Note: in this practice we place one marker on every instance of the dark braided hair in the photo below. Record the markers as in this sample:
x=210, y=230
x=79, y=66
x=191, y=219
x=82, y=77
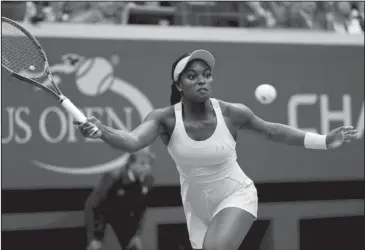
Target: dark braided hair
x=175, y=96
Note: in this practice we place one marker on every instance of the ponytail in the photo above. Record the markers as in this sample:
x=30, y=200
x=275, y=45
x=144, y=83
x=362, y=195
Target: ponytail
x=175, y=96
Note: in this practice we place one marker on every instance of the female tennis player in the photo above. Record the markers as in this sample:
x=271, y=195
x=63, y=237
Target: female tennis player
x=220, y=201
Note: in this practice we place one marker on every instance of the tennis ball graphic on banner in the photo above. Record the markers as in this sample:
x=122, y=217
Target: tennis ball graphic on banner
x=94, y=76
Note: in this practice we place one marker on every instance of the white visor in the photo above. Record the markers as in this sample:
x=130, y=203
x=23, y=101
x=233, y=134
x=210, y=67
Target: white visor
x=204, y=55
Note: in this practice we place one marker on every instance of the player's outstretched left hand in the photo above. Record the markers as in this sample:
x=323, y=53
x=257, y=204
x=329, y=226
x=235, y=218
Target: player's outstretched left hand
x=338, y=136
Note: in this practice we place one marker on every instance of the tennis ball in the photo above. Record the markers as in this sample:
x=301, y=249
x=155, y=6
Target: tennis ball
x=94, y=76
x=265, y=93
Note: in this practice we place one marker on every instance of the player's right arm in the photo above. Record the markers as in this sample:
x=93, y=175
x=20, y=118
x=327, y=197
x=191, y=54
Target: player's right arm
x=142, y=136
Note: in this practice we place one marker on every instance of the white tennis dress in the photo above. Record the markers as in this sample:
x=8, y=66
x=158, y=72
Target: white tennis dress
x=210, y=176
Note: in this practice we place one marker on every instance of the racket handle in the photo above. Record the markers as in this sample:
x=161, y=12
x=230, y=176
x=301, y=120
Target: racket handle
x=72, y=109
x=77, y=114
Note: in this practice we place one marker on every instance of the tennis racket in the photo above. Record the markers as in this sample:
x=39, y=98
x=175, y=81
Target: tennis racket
x=23, y=57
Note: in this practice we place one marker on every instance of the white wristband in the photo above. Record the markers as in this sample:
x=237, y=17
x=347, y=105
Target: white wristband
x=315, y=141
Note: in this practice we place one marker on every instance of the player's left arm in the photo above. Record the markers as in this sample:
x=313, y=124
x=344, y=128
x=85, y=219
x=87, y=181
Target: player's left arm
x=246, y=119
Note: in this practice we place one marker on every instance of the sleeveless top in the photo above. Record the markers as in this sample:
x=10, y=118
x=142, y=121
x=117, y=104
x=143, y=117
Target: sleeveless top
x=202, y=161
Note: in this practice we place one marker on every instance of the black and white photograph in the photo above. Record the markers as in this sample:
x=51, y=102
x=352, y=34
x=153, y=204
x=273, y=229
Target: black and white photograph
x=182, y=125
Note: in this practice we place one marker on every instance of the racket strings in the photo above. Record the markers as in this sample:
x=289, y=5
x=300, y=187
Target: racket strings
x=20, y=53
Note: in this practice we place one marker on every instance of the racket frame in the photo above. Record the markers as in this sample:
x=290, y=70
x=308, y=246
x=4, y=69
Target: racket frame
x=57, y=94
x=63, y=100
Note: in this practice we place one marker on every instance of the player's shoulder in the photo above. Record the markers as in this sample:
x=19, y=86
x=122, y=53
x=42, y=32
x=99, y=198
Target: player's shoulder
x=165, y=117
x=234, y=109
x=237, y=113
x=161, y=113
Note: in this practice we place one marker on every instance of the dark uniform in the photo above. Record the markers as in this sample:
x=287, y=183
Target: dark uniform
x=119, y=200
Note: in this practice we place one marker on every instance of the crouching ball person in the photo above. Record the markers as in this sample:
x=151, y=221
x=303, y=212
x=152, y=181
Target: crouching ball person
x=120, y=199
x=200, y=132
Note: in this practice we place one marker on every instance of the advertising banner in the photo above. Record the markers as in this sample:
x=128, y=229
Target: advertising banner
x=121, y=81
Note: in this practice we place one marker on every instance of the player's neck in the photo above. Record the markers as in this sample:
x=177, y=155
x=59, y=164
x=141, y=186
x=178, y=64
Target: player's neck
x=197, y=110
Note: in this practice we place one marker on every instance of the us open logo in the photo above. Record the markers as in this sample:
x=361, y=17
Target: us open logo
x=95, y=77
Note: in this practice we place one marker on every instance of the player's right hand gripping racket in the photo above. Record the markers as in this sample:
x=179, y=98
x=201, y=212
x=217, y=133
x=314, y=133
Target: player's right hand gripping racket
x=24, y=58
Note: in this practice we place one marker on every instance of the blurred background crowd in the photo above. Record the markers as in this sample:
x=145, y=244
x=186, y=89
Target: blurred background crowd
x=344, y=17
